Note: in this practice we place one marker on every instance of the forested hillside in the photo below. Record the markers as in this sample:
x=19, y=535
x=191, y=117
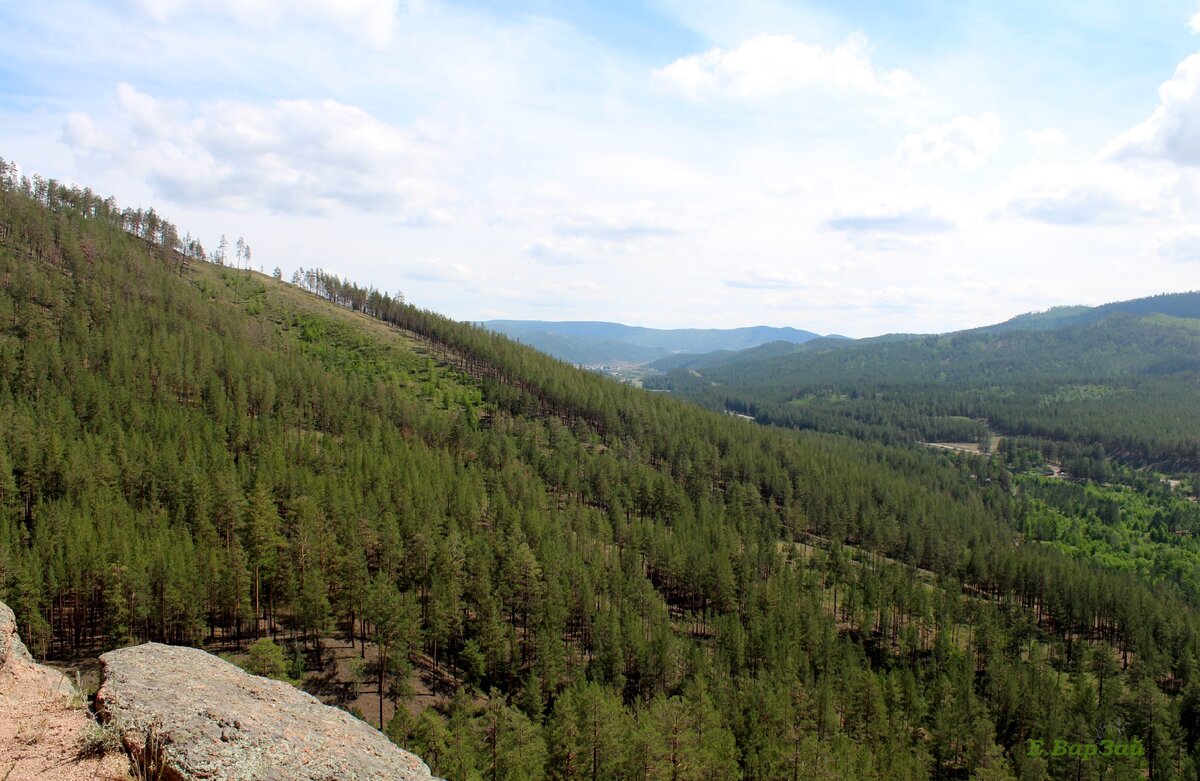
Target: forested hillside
x=618, y=585
x=1122, y=381
x=1171, y=305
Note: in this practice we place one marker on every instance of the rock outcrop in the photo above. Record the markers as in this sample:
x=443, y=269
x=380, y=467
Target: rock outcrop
x=10, y=641
x=211, y=720
x=15, y=657
x=42, y=722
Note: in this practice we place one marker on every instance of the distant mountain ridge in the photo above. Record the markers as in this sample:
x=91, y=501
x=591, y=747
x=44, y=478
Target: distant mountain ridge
x=595, y=343
x=1120, y=376
x=1174, y=305
x=600, y=343
x=1186, y=305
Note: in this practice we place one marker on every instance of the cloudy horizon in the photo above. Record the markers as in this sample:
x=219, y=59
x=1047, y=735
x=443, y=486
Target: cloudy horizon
x=842, y=169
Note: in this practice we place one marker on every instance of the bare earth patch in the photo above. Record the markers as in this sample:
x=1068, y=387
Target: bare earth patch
x=41, y=731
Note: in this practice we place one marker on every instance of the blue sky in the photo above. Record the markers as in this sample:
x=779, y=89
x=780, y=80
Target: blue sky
x=857, y=167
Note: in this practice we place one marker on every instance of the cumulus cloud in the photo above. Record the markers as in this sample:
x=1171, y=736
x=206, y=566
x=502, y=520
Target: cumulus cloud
x=569, y=251
x=645, y=172
x=910, y=222
x=890, y=229
x=787, y=188
x=767, y=279
x=1083, y=204
x=80, y=131
x=306, y=156
x=1085, y=195
x=963, y=143
x=842, y=297
x=569, y=286
x=438, y=270
x=616, y=228
x=1045, y=139
x=1172, y=132
x=370, y=20
x=770, y=65
x=586, y=235
x=1194, y=23
x=1109, y=190
x=1182, y=246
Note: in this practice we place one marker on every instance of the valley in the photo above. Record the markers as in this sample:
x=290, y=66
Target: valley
x=549, y=574
x=454, y=390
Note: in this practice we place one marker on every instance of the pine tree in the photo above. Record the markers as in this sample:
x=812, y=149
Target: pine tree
x=395, y=628
x=263, y=542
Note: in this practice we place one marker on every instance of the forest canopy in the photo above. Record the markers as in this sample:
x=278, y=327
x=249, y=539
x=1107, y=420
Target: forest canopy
x=616, y=584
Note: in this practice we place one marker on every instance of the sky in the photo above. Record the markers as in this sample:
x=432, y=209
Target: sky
x=858, y=167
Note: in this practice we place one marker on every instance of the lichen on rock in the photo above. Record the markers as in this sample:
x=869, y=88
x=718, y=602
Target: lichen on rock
x=214, y=721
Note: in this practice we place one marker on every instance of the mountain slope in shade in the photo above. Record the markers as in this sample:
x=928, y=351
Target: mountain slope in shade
x=596, y=343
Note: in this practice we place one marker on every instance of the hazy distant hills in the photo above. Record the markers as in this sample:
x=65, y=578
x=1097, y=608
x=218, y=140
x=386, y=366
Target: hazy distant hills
x=599, y=343
x=762, y=352
x=1122, y=375
x=595, y=343
x=1178, y=305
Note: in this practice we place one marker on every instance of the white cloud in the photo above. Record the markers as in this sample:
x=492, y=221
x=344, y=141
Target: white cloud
x=1045, y=139
x=437, y=270
x=80, y=131
x=769, y=65
x=902, y=222
x=889, y=228
x=570, y=250
x=1172, y=132
x=1093, y=194
x=645, y=172
x=569, y=286
x=1082, y=204
x=1181, y=246
x=634, y=224
x=795, y=185
x=594, y=233
x=538, y=132
x=963, y=143
x=369, y=20
x=840, y=296
x=306, y=156
x=1194, y=23
x=1110, y=190
x=768, y=279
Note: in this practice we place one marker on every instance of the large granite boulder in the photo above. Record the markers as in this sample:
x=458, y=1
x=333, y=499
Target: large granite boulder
x=214, y=721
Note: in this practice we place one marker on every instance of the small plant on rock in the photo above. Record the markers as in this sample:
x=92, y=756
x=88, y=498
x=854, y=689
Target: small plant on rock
x=149, y=763
x=99, y=740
